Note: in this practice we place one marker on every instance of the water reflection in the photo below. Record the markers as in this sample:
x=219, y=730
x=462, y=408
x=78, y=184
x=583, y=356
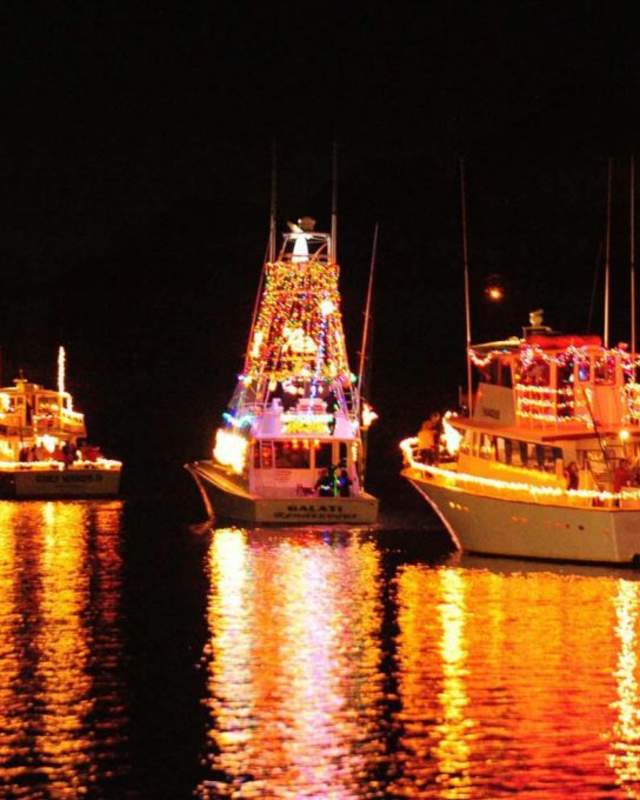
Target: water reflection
x=294, y=666
x=625, y=745
x=59, y=648
x=513, y=682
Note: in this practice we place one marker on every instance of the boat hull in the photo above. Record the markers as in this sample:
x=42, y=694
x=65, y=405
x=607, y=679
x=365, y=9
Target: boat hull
x=494, y=526
x=223, y=497
x=72, y=483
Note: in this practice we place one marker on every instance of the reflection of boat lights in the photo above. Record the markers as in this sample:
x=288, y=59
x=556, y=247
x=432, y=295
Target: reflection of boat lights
x=453, y=749
x=230, y=450
x=625, y=758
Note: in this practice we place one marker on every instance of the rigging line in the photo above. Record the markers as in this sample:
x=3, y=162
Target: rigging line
x=367, y=314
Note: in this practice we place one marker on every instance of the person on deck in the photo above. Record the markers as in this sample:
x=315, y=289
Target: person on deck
x=429, y=439
x=344, y=484
x=324, y=484
x=622, y=475
x=572, y=475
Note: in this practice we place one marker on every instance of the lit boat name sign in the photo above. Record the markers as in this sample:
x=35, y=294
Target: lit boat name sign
x=306, y=423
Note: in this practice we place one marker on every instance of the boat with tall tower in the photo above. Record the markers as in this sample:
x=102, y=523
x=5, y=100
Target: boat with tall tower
x=291, y=447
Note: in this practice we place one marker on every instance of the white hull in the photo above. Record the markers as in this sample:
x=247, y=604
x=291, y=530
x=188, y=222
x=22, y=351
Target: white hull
x=225, y=498
x=76, y=483
x=497, y=526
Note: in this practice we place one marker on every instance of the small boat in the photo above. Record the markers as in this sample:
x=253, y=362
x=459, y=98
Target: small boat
x=44, y=450
x=547, y=464
x=291, y=448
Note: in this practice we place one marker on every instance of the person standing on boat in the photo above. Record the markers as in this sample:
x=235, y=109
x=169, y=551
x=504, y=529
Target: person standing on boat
x=572, y=475
x=325, y=483
x=344, y=483
x=429, y=438
x=622, y=475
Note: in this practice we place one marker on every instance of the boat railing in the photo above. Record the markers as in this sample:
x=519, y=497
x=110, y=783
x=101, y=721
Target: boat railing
x=447, y=475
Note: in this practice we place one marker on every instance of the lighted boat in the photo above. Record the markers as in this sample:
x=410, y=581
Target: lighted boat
x=547, y=464
x=291, y=448
x=44, y=450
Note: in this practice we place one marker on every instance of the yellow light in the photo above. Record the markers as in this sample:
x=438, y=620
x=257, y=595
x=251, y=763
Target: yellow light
x=624, y=435
x=495, y=293
x=230, y=450
x=61, y=369
x=368, y=416
x=452, y=438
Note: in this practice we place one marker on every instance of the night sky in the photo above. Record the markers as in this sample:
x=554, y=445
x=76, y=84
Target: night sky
x=135, y=152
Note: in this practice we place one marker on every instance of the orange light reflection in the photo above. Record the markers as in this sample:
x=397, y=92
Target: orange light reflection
x=294, y=666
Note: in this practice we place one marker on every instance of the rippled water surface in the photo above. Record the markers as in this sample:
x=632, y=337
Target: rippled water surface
x=142, y=658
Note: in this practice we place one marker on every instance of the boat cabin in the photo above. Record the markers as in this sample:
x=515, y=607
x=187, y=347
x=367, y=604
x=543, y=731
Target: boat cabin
x=31, y=416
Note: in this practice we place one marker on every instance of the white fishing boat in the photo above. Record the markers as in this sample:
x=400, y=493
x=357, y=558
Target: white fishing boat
x=548, y=463
x=44, y=450
x=291, y=448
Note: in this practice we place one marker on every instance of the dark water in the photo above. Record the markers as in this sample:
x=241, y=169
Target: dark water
x=142, y=656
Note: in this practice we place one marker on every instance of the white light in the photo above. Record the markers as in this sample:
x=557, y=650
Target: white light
x=61, y=369
x=450, y=435
x=230, y=450
x=368, y=415
x=327, y=307
x=300, y=250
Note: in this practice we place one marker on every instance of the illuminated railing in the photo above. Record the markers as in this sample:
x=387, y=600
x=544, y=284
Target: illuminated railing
x=520, y=490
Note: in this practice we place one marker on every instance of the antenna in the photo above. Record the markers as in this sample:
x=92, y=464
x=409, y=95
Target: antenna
x=632, y=251
x=467, y=304
x=272, y=214
x=607, y=258
x=334, y=203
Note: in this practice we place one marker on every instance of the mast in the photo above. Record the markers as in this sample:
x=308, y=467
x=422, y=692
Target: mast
x=607, y=258
x=632, y=251
x=334, y=203
x=367, y=311
x=272, y=213
x=467, y=304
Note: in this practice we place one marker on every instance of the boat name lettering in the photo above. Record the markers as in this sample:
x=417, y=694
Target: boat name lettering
x=322, y=509
x=96, y=477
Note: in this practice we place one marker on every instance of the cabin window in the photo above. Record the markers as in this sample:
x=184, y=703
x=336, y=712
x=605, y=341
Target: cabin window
x=291, y=455
x=605, y=370
x=487, y=446
x=323, y=456
x=256, y=456
x=504, y=450
x=342, y=457
x=266, y=455
x=535, y=374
